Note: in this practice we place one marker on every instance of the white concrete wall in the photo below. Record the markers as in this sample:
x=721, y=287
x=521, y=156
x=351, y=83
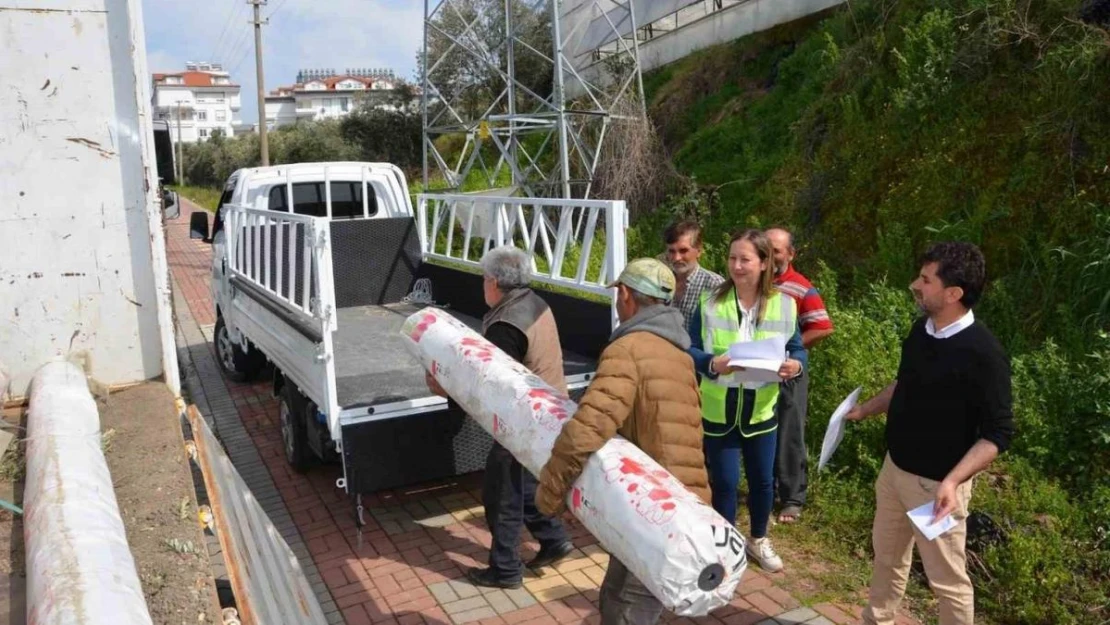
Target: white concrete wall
x=82, y=264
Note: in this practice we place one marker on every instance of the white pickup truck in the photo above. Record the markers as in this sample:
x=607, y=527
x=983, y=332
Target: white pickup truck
x=319, y=286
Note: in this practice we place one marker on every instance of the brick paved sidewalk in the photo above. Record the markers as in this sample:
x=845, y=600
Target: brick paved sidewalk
x=416, y=542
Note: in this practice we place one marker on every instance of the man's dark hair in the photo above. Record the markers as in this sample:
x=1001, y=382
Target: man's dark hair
x=679, y=229
x=959, y=264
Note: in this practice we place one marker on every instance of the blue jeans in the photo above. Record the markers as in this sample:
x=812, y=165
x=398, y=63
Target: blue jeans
x=723, y=455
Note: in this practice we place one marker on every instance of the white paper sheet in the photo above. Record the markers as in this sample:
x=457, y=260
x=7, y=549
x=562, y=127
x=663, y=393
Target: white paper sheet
x=835, y=432
x=760, y=359
x=923, y=514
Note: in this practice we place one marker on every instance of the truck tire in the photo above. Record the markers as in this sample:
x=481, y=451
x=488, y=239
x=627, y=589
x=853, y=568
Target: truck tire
x=294, y=431
x=238, y=365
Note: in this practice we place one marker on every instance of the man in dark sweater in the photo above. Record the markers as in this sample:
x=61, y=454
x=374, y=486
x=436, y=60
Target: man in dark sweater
x=520, y=323
x=948, y=416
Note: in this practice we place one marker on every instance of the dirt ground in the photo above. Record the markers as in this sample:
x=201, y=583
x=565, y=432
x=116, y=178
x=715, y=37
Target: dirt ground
x=146, y=456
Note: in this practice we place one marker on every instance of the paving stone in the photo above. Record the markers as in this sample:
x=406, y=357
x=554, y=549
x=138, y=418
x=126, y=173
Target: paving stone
x=820, y=620
x=464, y=589
x=500, y=601
x=797, y=615
x=443, y=592
x=554, y=592
x=473, y=615
x=521, y=597
x=463, y=605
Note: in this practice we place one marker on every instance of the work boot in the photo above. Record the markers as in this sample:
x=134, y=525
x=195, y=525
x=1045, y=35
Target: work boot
x=489, y=579
x=550, y=555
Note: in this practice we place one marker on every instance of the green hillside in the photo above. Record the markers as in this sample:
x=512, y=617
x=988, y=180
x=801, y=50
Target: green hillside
x=873, y=130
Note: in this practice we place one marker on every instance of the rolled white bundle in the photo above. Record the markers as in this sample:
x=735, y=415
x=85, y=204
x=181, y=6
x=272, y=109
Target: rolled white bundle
x=686, y=554
x=79, y=564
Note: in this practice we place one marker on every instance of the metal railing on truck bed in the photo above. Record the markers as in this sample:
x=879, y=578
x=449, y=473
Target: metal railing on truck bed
x=286, y=259
x=579, y=244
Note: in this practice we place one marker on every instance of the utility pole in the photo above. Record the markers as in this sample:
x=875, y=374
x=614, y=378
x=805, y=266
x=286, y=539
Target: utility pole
x=180, y=165
x=261, y=85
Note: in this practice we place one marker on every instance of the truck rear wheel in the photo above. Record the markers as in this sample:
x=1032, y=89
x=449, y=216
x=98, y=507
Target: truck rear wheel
x=294, y=431
x=238, y=365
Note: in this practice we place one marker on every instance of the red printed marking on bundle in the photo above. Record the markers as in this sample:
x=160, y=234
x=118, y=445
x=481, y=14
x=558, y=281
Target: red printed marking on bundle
x=477, y=348
x=651, y=495
x=545, y=399
x=425, y=322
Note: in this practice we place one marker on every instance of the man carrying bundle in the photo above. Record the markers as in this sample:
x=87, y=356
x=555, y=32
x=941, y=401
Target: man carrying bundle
x=645, y=362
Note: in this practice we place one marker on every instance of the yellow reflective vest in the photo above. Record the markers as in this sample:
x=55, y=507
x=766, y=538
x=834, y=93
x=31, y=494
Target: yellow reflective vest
x=720, y=327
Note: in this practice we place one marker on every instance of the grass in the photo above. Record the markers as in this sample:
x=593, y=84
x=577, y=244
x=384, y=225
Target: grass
x=13, y=466
x=205, y=197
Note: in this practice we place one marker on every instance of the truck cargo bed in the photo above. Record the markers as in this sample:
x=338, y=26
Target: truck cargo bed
x=372, y=365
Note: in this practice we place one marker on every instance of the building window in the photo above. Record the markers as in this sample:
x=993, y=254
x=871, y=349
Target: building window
x=203, y=133
x=345, y=104
x=221, y=116
x=202, y=116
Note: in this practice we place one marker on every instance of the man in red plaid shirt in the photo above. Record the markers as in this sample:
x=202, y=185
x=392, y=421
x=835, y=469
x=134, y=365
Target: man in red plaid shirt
x=790, y=461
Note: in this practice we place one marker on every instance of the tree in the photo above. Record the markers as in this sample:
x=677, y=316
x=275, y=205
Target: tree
x=391, y=133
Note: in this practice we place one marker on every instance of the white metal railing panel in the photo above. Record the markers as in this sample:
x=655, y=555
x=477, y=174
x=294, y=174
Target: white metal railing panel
x=287, y=256
x=578, y=244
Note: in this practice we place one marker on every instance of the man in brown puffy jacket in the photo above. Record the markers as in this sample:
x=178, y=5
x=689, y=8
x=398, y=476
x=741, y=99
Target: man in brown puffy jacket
x=646, y=391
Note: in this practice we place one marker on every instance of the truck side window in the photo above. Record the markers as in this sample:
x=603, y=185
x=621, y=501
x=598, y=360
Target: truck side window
x=310, y=199
x=277, y=200
x=218, y=224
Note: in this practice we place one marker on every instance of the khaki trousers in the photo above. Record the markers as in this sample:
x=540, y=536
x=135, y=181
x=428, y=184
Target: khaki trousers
x=893, y=536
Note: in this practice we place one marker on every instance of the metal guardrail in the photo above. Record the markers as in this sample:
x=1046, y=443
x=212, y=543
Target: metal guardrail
x=269, y=585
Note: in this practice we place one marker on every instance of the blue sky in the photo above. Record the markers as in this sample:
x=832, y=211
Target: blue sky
x=301, y=34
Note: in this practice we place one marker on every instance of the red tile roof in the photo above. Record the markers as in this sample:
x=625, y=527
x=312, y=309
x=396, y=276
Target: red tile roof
x=192, y=79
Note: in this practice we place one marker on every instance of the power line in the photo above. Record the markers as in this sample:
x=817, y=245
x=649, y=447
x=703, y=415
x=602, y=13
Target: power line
x=237, y=38
x=276, y=7
x=239, y=49
x=223, y=31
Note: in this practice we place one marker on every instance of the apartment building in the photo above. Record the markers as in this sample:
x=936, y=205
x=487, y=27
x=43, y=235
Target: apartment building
x=327, y=94
x=204, y=96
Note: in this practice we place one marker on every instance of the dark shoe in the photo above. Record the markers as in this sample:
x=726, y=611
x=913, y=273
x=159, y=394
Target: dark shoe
x=550, y=555
x=489, y=579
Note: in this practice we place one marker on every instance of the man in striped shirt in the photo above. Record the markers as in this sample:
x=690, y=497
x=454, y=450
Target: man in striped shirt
x=683, y=241
x=790, y=461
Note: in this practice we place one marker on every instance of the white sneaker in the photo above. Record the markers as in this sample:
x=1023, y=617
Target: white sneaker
x=761, y=552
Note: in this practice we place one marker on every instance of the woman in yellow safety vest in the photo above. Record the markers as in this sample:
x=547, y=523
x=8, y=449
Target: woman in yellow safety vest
x=738, y=414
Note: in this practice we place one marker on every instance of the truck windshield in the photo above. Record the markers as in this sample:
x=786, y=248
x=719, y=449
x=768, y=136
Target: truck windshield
x=310, y=199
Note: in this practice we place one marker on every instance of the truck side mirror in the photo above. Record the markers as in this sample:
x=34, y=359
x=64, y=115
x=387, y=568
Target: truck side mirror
x=198, y=225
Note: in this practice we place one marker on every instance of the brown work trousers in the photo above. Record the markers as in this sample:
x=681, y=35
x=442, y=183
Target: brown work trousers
x=894, y=535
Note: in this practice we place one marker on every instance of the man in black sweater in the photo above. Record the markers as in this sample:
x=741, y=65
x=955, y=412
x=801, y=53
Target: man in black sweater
x=948, y=416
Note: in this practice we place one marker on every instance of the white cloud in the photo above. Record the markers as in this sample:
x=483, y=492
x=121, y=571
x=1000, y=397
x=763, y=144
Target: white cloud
x=300, y=34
